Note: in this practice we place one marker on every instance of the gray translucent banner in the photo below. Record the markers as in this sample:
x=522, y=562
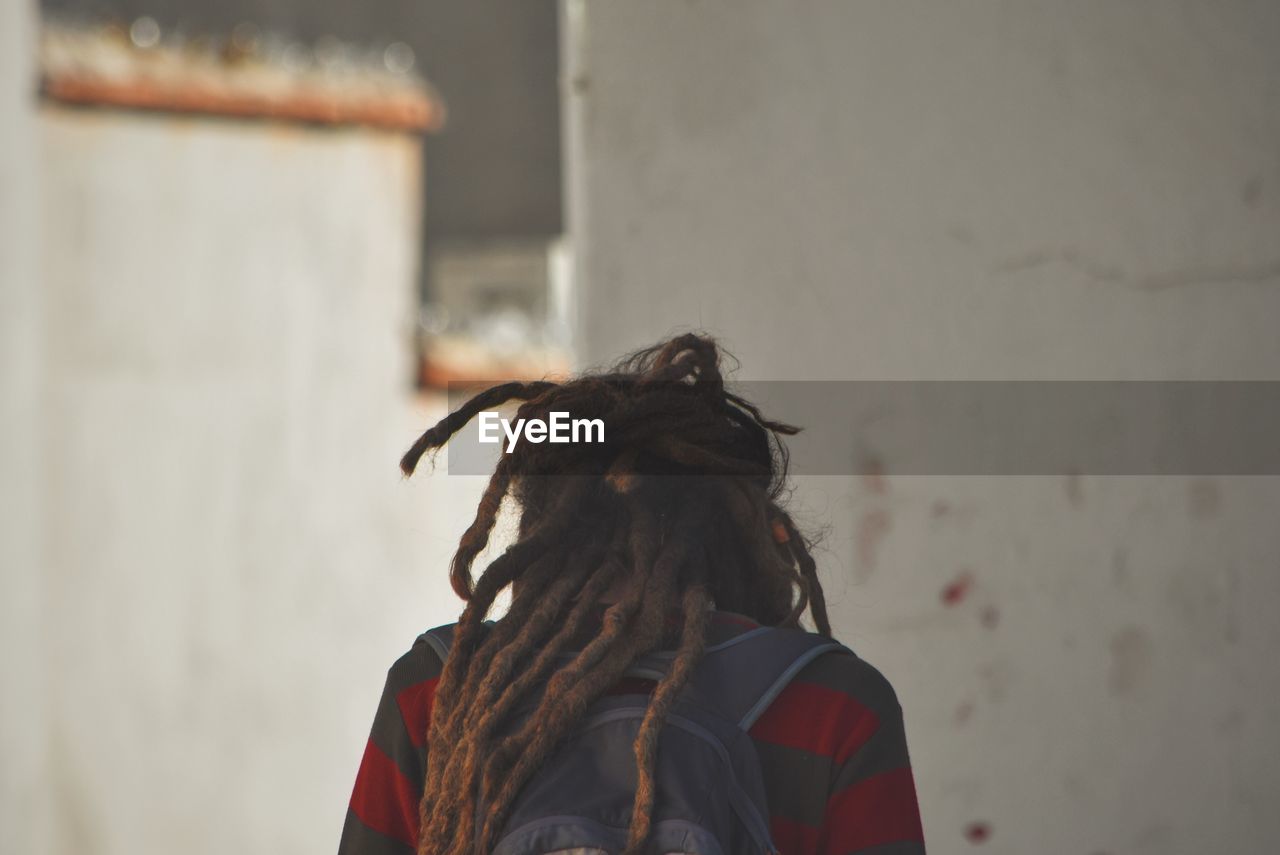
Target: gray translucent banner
x=998, y=427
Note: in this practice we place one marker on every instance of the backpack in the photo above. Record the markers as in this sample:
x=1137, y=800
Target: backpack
x=710, y=790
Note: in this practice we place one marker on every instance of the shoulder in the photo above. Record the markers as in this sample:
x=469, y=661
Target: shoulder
x=849, y=678
x=418, y=667
x=408, y=695
x=834, y=707
x=851, y=724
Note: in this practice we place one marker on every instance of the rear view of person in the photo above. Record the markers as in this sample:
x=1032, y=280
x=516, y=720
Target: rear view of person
x=650, y=688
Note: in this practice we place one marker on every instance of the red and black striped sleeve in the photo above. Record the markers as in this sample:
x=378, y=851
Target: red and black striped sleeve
x=382, y=817
x=834, y=755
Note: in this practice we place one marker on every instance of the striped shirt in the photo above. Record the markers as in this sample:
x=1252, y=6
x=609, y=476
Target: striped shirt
x=831, y=746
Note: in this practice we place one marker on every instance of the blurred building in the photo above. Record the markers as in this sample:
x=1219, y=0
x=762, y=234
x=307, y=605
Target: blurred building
x=492, y=227
x=212, y=255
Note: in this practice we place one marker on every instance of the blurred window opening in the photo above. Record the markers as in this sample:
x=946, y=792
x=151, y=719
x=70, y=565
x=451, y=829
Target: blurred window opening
x=498, y=309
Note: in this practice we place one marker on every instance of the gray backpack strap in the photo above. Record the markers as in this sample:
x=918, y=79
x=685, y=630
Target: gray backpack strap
x=745, y=674
x=441, y=639
x=651, y=667
x=740, y=677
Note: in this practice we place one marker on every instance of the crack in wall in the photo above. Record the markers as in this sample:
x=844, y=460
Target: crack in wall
x=1182, y=277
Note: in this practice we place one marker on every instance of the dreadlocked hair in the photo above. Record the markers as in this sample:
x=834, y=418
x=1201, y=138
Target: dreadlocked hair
x=678, y=510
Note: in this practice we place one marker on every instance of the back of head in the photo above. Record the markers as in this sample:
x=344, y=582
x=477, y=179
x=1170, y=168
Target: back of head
x=675, y=511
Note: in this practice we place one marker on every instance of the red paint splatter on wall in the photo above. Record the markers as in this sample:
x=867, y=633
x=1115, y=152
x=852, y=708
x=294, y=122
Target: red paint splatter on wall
x=954, y=593
x=978, y=832
x=873, y=478
x=873, y=526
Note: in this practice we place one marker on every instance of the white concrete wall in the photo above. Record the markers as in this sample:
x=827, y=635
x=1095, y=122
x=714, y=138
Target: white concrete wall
x=23, y=766
x=983, y=190
x=233, y=559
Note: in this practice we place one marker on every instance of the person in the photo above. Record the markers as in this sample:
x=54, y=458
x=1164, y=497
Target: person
x=670, y=534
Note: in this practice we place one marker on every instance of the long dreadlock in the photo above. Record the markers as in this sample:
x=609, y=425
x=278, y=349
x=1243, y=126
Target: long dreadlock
x=677, y=510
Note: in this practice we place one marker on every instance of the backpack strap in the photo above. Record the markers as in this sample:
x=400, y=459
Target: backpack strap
x=745, y=674
x=441, y=639
x=740, y=676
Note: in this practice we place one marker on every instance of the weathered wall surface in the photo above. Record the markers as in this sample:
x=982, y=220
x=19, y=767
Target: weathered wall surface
x=233, y=557
x=23, y=778
x=983, y=190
